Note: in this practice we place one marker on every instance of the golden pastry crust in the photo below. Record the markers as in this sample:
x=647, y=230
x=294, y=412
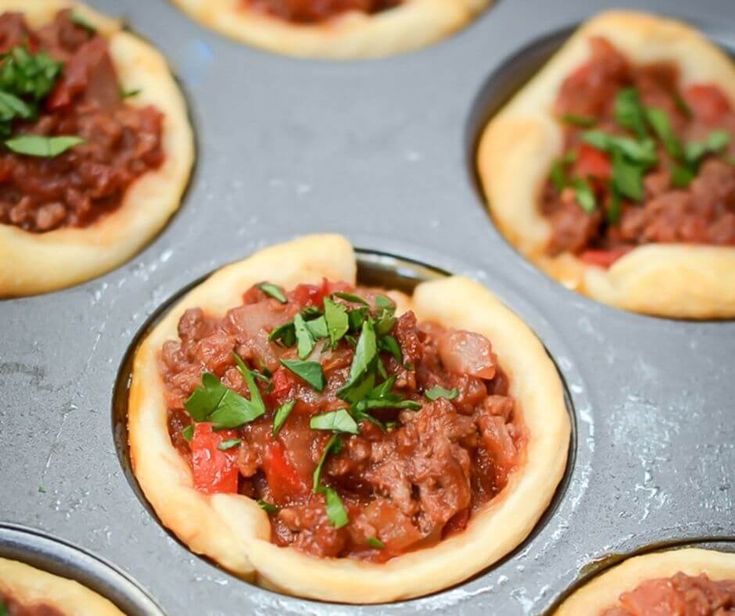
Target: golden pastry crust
x=31, y=586
x=415, y=24
x=603, y=592
x=519, y=145
x=234, y=531
x=39, y=262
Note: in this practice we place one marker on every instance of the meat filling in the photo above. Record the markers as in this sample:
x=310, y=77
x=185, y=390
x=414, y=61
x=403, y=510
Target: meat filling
x=12, y=607
x=314, y=11
x=680, y=595
x=71, y=66
x=422, y=431
x=645, y=160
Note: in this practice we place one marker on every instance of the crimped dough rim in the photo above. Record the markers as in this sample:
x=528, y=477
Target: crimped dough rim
x=234, y=531
x=33, y=263
x=604, y=590
x=31, y=586
x=523, y=139
x=413, y=25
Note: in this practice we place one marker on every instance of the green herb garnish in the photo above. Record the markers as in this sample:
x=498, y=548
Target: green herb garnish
x=266, y=506
x=629, y=112
x=304, y=338
x=273, y=290
x=351, y=297
x=334, y=445
x=627, y=177
x=336, y=319
x=440, y=392
x=585, y=195
x=578, y=120
x=559, y=170
x=281, y=415
x=336, y=511
x=129, y=93
x=365, y=354
x=375, y=543
x=337, y=421
x=309, y=371
x=284, y=334
x=318, y=327
x=42, y=146
x=659, y=121
x=188, y=433
x=390, y=345
x=229, y=444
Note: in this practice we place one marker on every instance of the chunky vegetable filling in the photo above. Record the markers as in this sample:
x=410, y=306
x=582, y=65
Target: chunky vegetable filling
x=645, y=160
x=12, y=607
x=71, y=146
x=363, y=434
x=677, y=596
x=313, y=11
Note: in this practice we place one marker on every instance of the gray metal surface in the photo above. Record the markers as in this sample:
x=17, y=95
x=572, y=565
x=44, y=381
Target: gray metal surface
x=378, y=151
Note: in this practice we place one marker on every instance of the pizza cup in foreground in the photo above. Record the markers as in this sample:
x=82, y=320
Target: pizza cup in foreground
x=98, y=153
x=613, y=169
x=25, y=589
x=339, y=29
x=682, y=581
x=343, y=443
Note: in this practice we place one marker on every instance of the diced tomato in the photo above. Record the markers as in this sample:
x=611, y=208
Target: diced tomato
x=307, y=295
x=707, y=102
x=283, y=381
x=215, y=471
x=591, y=162
x=283, y=480
x=332, y=287
x=463, y=352
x=603, y=258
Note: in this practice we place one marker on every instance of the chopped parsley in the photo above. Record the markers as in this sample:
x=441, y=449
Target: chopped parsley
x=281, y=415
x=337, y=421
x=229, y=444
x=375, y=543
x=267, y=507
x=42, y=146
x=309, y=371
x=439, y=392
x=188, y=433
x=274, y=291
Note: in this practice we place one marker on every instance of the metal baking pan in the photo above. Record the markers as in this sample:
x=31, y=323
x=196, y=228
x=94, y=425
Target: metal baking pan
x=381, y=151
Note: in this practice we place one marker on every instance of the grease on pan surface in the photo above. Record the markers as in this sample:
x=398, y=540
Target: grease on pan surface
x=410, y=25
x=604, y=591
x=31, y=587
x=235, y=532
x=39, y=262
x=518, y=146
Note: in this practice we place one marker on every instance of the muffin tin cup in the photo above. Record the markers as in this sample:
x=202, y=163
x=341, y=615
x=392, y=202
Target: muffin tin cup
x=381, y=151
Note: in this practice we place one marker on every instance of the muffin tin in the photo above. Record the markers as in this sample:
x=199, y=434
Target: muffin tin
x=382, y=151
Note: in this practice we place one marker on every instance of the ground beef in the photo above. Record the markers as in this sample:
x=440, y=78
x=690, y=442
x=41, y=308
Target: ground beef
x=681, y=595
x=121, y=142
x=701, y=213
x=410, y=484
x=313, y=11
x=13, y=607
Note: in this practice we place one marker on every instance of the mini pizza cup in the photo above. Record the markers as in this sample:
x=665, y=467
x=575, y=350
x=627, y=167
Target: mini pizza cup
x=412, y=25
x=604, y=590
x=32, y=587
x=234, y=531
x=33, y=263
x=519, y=145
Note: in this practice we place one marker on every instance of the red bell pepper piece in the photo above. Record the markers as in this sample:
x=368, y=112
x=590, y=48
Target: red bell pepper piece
x=283, y=480
x=215, y=471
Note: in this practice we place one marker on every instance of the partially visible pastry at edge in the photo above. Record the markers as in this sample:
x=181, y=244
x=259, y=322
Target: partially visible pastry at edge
x=613, y=169
x=670, y=583
x=336, y=29
x=95, y=145
x=27, y=591
x=345, y=443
